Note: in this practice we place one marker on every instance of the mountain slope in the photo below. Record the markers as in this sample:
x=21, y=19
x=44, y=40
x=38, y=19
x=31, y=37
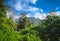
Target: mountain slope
x=33, y=20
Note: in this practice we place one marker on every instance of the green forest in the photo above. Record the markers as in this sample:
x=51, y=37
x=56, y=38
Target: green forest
x=47, y=30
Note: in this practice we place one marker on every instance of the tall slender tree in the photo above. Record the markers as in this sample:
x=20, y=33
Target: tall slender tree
x=2, y=9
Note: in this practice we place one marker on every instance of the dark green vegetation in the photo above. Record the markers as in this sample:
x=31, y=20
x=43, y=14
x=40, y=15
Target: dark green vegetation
x=47, y=30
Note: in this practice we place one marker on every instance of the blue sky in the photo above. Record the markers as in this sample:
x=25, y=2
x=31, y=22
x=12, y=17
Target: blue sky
x=34, y=8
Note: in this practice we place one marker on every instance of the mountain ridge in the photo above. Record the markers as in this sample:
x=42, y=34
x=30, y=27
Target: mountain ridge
x=33, y=20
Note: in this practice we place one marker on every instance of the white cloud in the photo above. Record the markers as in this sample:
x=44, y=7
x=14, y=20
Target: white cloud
x=34, y=1
x=18, y=6
x=39, y=15
x=32, y=9
x=22, y=4
x=58, y=13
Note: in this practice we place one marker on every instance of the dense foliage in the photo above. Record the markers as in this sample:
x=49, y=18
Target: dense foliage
x=50, y=28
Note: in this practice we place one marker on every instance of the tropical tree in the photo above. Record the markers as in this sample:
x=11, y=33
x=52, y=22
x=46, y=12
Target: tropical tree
x=23, y=21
